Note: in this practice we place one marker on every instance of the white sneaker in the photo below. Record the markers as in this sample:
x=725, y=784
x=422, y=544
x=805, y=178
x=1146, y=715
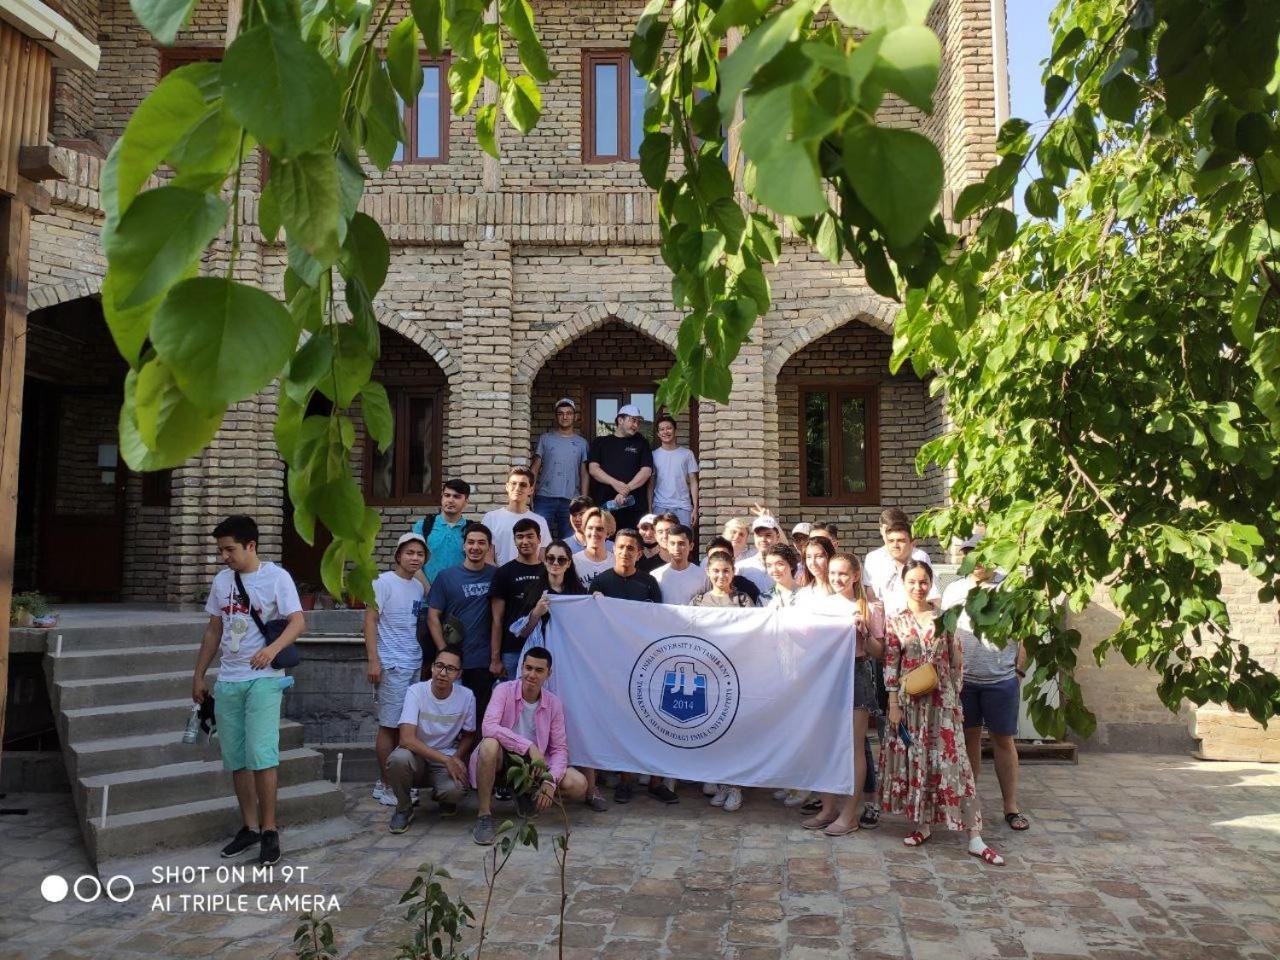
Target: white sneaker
x=384, y=796
x=722, y=793
x=780, y=794
x=710, y=789
x=732, y=800
x=795, y=798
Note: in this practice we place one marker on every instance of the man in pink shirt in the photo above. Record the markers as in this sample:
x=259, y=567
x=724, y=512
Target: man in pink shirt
x=523, y=721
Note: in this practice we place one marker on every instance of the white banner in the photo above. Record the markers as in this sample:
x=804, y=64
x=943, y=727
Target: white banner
x=753, y=698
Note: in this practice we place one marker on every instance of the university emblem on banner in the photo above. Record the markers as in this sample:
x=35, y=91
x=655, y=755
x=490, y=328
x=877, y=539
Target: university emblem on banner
x=685, y=691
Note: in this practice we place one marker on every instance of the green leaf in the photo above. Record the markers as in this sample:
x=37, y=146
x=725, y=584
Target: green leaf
x=162, y=18
x=1072, y=41
x=224, y=341
x=897, y=174
x=269, y=221
x=646, y=42
x=332, y=566
x=1244, y=314
x=340, y=507
x=738, y=13
x=167, y=422
x=281, y=89
x=162, y=233
x=1042, y=199
x=169, y=112
x=429, y=16
x=910, y=58
x=384, y=120
x=827, y=242
x=375, y=408
x=869, y=15
x=312, y=362
x=788, y=181
x=655, y=154
x=403, y=64
x=761, y=45
x=517, y=17
x=522, y=103
x=306, y=193
x=129, y=328
x=464, y=84
x=486, y=128
x=1055, y=88
x=368, y=253
x=352, y=366
x=1119, y=98
x=181, y=436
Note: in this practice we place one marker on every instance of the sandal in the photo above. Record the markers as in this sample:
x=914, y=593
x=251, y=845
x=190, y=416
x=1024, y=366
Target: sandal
x=817, y=823
x=1017, y=821
x=916, y=839
x=839, y=831
x=989, y=856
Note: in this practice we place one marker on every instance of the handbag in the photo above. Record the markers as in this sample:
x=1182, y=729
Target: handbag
x=921, y=680
x=271, y=630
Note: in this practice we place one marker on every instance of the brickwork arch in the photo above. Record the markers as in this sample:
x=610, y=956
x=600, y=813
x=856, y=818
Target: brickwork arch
x=420, y=334
x=593, y=317
x=867, y=308
x=40, y=297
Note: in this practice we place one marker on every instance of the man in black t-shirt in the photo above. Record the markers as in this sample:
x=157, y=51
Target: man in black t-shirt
x=620, y=466
x=515, y=590
x=625, y=582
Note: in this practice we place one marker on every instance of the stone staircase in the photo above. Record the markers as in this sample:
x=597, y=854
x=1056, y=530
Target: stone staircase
x=121, y=696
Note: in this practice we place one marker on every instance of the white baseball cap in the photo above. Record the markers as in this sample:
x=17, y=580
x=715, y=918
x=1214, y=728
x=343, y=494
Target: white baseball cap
x=764, y=523
x=649, y=518
x=410, y=537
x=969, y=542
x=801, y=529
x=566, y=402
x=630, y=410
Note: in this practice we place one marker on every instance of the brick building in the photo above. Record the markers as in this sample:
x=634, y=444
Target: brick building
x=512, y=283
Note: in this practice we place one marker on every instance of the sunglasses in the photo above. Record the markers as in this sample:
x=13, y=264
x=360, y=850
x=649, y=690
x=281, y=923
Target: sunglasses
x=557, y=560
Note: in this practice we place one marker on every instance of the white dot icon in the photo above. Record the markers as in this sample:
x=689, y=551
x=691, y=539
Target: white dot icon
x=53, y=888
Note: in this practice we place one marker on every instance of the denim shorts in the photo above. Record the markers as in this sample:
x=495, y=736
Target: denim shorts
x=396, y=682
x=248, y=714
x=991, y=705
x=864, y=687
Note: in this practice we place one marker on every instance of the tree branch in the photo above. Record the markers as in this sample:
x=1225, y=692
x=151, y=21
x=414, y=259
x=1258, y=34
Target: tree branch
x=1079, y=471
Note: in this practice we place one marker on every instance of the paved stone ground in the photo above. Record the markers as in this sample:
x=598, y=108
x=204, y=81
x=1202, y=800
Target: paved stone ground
x=1129, y=857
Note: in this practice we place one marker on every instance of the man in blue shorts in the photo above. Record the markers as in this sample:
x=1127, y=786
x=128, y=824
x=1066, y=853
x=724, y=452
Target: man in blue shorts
x=991, y=690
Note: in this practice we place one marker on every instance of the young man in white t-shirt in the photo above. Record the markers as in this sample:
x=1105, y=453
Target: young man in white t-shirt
x=673, y=488
x=680, y=580
x=437, y=732
x=594, y=559
x=501, y=523
x=878, y=567
x=887, y=581
x=766, y=532
x=392, y=651
x=248, y=692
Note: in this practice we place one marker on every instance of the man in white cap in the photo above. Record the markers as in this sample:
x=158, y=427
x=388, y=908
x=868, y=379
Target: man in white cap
x=800, y=536
x=560, y=469
x=393, y=655
x=620, y=465
x=766, y=532
x=651, y=557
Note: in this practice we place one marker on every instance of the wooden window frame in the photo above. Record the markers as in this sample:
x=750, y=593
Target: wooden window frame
x=157, y=489
x=591, y=58
x=838, y=389
x=173, y=57
x=411, y=118
x=400, y=395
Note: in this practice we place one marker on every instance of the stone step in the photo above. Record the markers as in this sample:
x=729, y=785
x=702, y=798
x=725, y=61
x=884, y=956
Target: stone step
x=80, y=639
x=154, y=749
x=120, y=661
x=210, y=821
x=185, y=782
x=139, y=688
x=125, y=719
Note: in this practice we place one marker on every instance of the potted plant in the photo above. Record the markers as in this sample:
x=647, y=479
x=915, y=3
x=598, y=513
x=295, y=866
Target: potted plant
x=307, y=595
x=31, y=608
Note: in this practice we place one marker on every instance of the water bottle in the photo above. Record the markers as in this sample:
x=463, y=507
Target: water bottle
x=619, y=503
x=193, y=725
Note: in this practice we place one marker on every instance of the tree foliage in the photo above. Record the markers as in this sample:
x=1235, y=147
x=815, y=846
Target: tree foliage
x=1111, y=365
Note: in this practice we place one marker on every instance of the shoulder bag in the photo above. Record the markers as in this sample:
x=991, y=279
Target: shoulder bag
x=271, y=630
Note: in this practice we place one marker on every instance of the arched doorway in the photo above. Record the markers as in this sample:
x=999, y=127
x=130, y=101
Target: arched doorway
x=601, y=371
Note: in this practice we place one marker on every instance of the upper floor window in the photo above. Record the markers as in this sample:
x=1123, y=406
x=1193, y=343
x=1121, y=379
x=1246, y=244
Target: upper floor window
x=839, y=444
x=427, y=121
x=612, y=107
x=408, y=472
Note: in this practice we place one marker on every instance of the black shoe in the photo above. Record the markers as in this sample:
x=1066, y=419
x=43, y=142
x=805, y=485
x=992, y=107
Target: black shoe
x=269, y=852
x=524, y=805
x=502, y=793
x=448, y=809
x=811, y=806
x=243, y=840
x=662, y=793
x=622, y=792
x=870, y=818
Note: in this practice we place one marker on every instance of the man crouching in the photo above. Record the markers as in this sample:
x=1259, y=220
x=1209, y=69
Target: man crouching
x=524, y=721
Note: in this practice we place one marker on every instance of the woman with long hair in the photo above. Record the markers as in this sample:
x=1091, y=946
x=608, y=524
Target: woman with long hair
x=817, y=554
x=850, y=598
x=924, y=769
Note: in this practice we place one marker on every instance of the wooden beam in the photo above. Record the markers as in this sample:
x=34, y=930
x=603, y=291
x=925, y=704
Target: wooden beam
x=35, y=197
x=15, y=227
x=45, y=163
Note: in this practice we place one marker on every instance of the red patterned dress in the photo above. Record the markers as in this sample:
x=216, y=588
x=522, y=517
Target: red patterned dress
x=929, y=782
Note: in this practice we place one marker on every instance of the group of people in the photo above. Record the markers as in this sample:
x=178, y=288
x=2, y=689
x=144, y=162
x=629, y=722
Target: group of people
x=475, y=595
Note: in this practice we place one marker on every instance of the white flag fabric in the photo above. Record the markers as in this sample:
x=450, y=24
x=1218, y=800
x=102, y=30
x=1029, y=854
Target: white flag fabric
x=749, y=697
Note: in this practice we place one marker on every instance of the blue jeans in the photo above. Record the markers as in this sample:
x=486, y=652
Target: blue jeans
x=683, y=513
x=554, y=510
x=511, y=662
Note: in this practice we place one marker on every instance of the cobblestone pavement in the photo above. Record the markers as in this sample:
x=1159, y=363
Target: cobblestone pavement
x=1128, y=857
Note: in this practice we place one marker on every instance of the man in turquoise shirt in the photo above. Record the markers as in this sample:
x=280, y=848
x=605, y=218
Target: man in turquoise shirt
x=443, y=530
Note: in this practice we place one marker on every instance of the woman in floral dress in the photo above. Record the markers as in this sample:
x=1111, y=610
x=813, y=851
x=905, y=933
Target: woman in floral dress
x=929, y=780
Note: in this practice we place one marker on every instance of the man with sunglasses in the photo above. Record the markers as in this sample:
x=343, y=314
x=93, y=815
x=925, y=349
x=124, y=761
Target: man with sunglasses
x=437, y=732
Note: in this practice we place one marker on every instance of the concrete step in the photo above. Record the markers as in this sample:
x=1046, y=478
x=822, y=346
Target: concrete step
x=111, y=754
x=186, y=782
x=124, y=719
x=121, y=661
x=209, y=821
x=118, y=637
x=139, y=688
